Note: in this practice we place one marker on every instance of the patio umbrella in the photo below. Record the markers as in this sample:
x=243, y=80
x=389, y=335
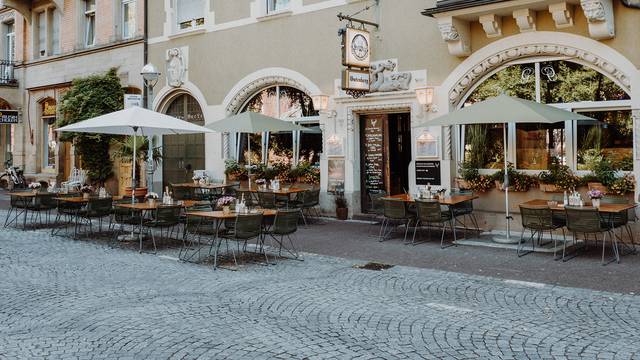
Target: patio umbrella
x=506, y=109
x=253, y=122
x=134, y=121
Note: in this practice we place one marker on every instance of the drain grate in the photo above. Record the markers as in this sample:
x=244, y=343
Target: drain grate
x=374, y=266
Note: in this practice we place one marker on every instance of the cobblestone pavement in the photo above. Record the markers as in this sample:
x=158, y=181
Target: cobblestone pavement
x=61, y=298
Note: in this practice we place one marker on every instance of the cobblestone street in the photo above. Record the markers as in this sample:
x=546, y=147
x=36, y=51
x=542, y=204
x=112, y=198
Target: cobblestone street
x=62, y=298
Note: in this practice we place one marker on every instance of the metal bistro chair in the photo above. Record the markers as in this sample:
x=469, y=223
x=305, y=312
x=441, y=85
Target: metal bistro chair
x=245, y=227
x=182, y=193
x=464, y=210
x=621, y=219
x=284, y=225
x=249, y=199
x=18, y=205
x=538, y=219
x=307, y=203
x=43, y=202
x=587, y=220
x=430, y=212
x=395, y=213
x=164, y=217
x=196, y=227
x=269, y=200
x=122, y=217
x=67, y=213
x=96, y=208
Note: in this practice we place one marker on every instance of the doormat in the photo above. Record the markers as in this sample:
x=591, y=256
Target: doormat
x=373, y=266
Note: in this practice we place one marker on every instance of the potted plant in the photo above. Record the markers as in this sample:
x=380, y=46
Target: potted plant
x=86, y=190
x=151, y=198
x=623, y=185
x=196, y=179
x=124, y=152
x=518, y=181
x=342, y=209
x=470, y=178
x=558, y=177
x=35, y=186
x=595, y=195
x=603, y=174
x=262, y=184
x=225, y=203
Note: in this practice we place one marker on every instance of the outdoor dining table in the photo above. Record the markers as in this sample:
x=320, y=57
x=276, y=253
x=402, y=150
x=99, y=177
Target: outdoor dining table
x=283, y=191
x=447, y=200
x=210, y=186
x=219, y=217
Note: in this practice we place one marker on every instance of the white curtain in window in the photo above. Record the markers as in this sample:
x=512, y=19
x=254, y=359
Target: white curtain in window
x=55, y=30
x=188, y=10
x=128, y=18
x=42, y=33
x=10, y=49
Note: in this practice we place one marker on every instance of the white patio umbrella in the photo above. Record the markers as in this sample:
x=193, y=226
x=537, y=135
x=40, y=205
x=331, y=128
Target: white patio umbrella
x=506, y=109
x=135, y=121
x=253, y=122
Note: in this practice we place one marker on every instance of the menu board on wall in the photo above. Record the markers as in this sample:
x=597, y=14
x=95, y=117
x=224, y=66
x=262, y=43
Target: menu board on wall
x=373, y=154
x=336, y=176
x=428, y=173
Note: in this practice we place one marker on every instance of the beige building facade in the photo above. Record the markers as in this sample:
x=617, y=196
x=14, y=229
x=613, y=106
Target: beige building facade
x=218, y=57
x=49, y=44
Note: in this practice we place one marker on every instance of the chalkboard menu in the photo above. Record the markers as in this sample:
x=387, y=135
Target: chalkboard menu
x=428, y=173
x=373, y=153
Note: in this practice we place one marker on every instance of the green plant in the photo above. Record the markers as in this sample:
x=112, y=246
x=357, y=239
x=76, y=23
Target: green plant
x=467, y=171
x=518, y=180
x=604, y=171
x=341, y=202
x=233, y=168
x=559, y=175
x=622, y=185
x=124, y=151
x=87, y=98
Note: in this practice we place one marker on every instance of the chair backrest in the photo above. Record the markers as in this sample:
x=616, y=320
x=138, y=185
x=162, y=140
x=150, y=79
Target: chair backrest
x=429, y=211
x=395, y=209
x=182, y=193
x=46, y=199
x=248, y=226
x=536, y=217
x=623, y=216
x=100, y=206
x=267, y=199
x=248, y=197
x=168, y=213
x=583, y=219
x=285, y=222
x=311, y=197
x=465, y=205
x=377, y=204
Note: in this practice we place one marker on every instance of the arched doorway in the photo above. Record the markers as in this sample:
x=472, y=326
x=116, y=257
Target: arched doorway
x=182, y=154
x=532, y=147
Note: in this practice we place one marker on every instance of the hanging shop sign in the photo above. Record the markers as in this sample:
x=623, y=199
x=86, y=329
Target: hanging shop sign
x=356, y=50
x=8, y=116
x=428, y=173
x=355, y=80
x=49, y=108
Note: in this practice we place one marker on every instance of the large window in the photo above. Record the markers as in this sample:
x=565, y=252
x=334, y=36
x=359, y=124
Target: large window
x=89, y=22
x=10, y=41
x=55, y=31
x=277, y=5
x=128, y=18
x=564, y=84
x=288, y=104
x=190, y=13
x=49, y=139
x=42, y=34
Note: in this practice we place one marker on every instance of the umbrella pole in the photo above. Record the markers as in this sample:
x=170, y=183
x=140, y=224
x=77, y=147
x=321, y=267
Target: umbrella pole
x=133, y=168
x=506, y=183
x=249, y=158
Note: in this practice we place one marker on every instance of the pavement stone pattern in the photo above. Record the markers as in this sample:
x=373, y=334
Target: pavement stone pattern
x=73, y=299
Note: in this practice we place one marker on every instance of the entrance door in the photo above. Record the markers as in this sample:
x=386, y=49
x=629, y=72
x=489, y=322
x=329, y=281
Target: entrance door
x=182, y=154
x=385, y=148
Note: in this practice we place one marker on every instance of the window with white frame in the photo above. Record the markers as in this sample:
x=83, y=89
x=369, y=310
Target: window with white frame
x=55, y=31
x=190, y=13
x=564, y=84
x=89, y=22
x=128, y=18
x=277, y=5
x=10, y=41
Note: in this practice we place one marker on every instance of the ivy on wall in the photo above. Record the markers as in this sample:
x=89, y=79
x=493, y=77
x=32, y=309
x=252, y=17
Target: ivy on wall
x=87, y=98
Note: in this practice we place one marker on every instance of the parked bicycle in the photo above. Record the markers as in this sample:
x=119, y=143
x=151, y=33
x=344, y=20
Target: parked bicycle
x=12, y=177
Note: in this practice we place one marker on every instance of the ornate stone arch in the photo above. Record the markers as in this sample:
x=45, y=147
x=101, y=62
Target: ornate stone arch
x=264, y=78
x=571, y=47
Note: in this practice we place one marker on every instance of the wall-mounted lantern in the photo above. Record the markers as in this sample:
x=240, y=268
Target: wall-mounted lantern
x=425, y=98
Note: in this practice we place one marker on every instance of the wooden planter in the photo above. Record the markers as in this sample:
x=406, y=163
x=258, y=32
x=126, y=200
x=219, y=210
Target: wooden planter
x=499, y=186
x=342, y=213
x=549, y=188
x=138, y=193
x=597, y=186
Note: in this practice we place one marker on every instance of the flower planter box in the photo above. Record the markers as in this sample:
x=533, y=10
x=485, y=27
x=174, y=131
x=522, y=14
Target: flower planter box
x=597, y=186
x=138, y=192
x=549, y=188
x=499, y=186
x=462, y=184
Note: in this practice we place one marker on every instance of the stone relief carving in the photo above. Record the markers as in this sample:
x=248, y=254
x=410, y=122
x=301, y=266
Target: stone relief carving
x=175, y=67
x=503, y=57
x=593, y=10
x=384, y=77
x=449, y=32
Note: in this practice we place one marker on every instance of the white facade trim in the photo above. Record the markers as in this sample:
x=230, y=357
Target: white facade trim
x=162, y=97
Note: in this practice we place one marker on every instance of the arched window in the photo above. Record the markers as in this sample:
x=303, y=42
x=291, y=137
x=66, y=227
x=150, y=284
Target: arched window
x=182, y=154
x=566, y=85
x=290, y=104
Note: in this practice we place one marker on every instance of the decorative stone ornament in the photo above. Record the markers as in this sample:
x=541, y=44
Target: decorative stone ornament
x=562, y=14
x=526, y=19
x=599, y=14
x=384, y=76
x=492, y=25
x=456, y=34
x=175, y=67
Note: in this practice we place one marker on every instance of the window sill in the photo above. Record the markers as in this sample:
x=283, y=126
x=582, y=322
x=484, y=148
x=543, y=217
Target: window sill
x=188, y=32
x=275, y=15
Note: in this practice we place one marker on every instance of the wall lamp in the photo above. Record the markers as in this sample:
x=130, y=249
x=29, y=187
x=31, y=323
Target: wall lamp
x=321, y=103
x=425, y=98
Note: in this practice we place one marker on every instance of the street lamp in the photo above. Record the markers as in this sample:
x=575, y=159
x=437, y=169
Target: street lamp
x=150, y=74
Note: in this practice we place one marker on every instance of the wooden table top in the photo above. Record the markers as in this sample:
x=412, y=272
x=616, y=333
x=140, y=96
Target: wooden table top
x=604, y=208
x=451, y=200
x=220, y=215
x=81, y=199
x=201, y=186
x=22, y=194
x=282, y=191
x=144, y=206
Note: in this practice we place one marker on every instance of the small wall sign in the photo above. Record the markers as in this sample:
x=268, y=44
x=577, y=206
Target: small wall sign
x=428, y=173
x=8, y=116
x=355, y=80
x=132, y=100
